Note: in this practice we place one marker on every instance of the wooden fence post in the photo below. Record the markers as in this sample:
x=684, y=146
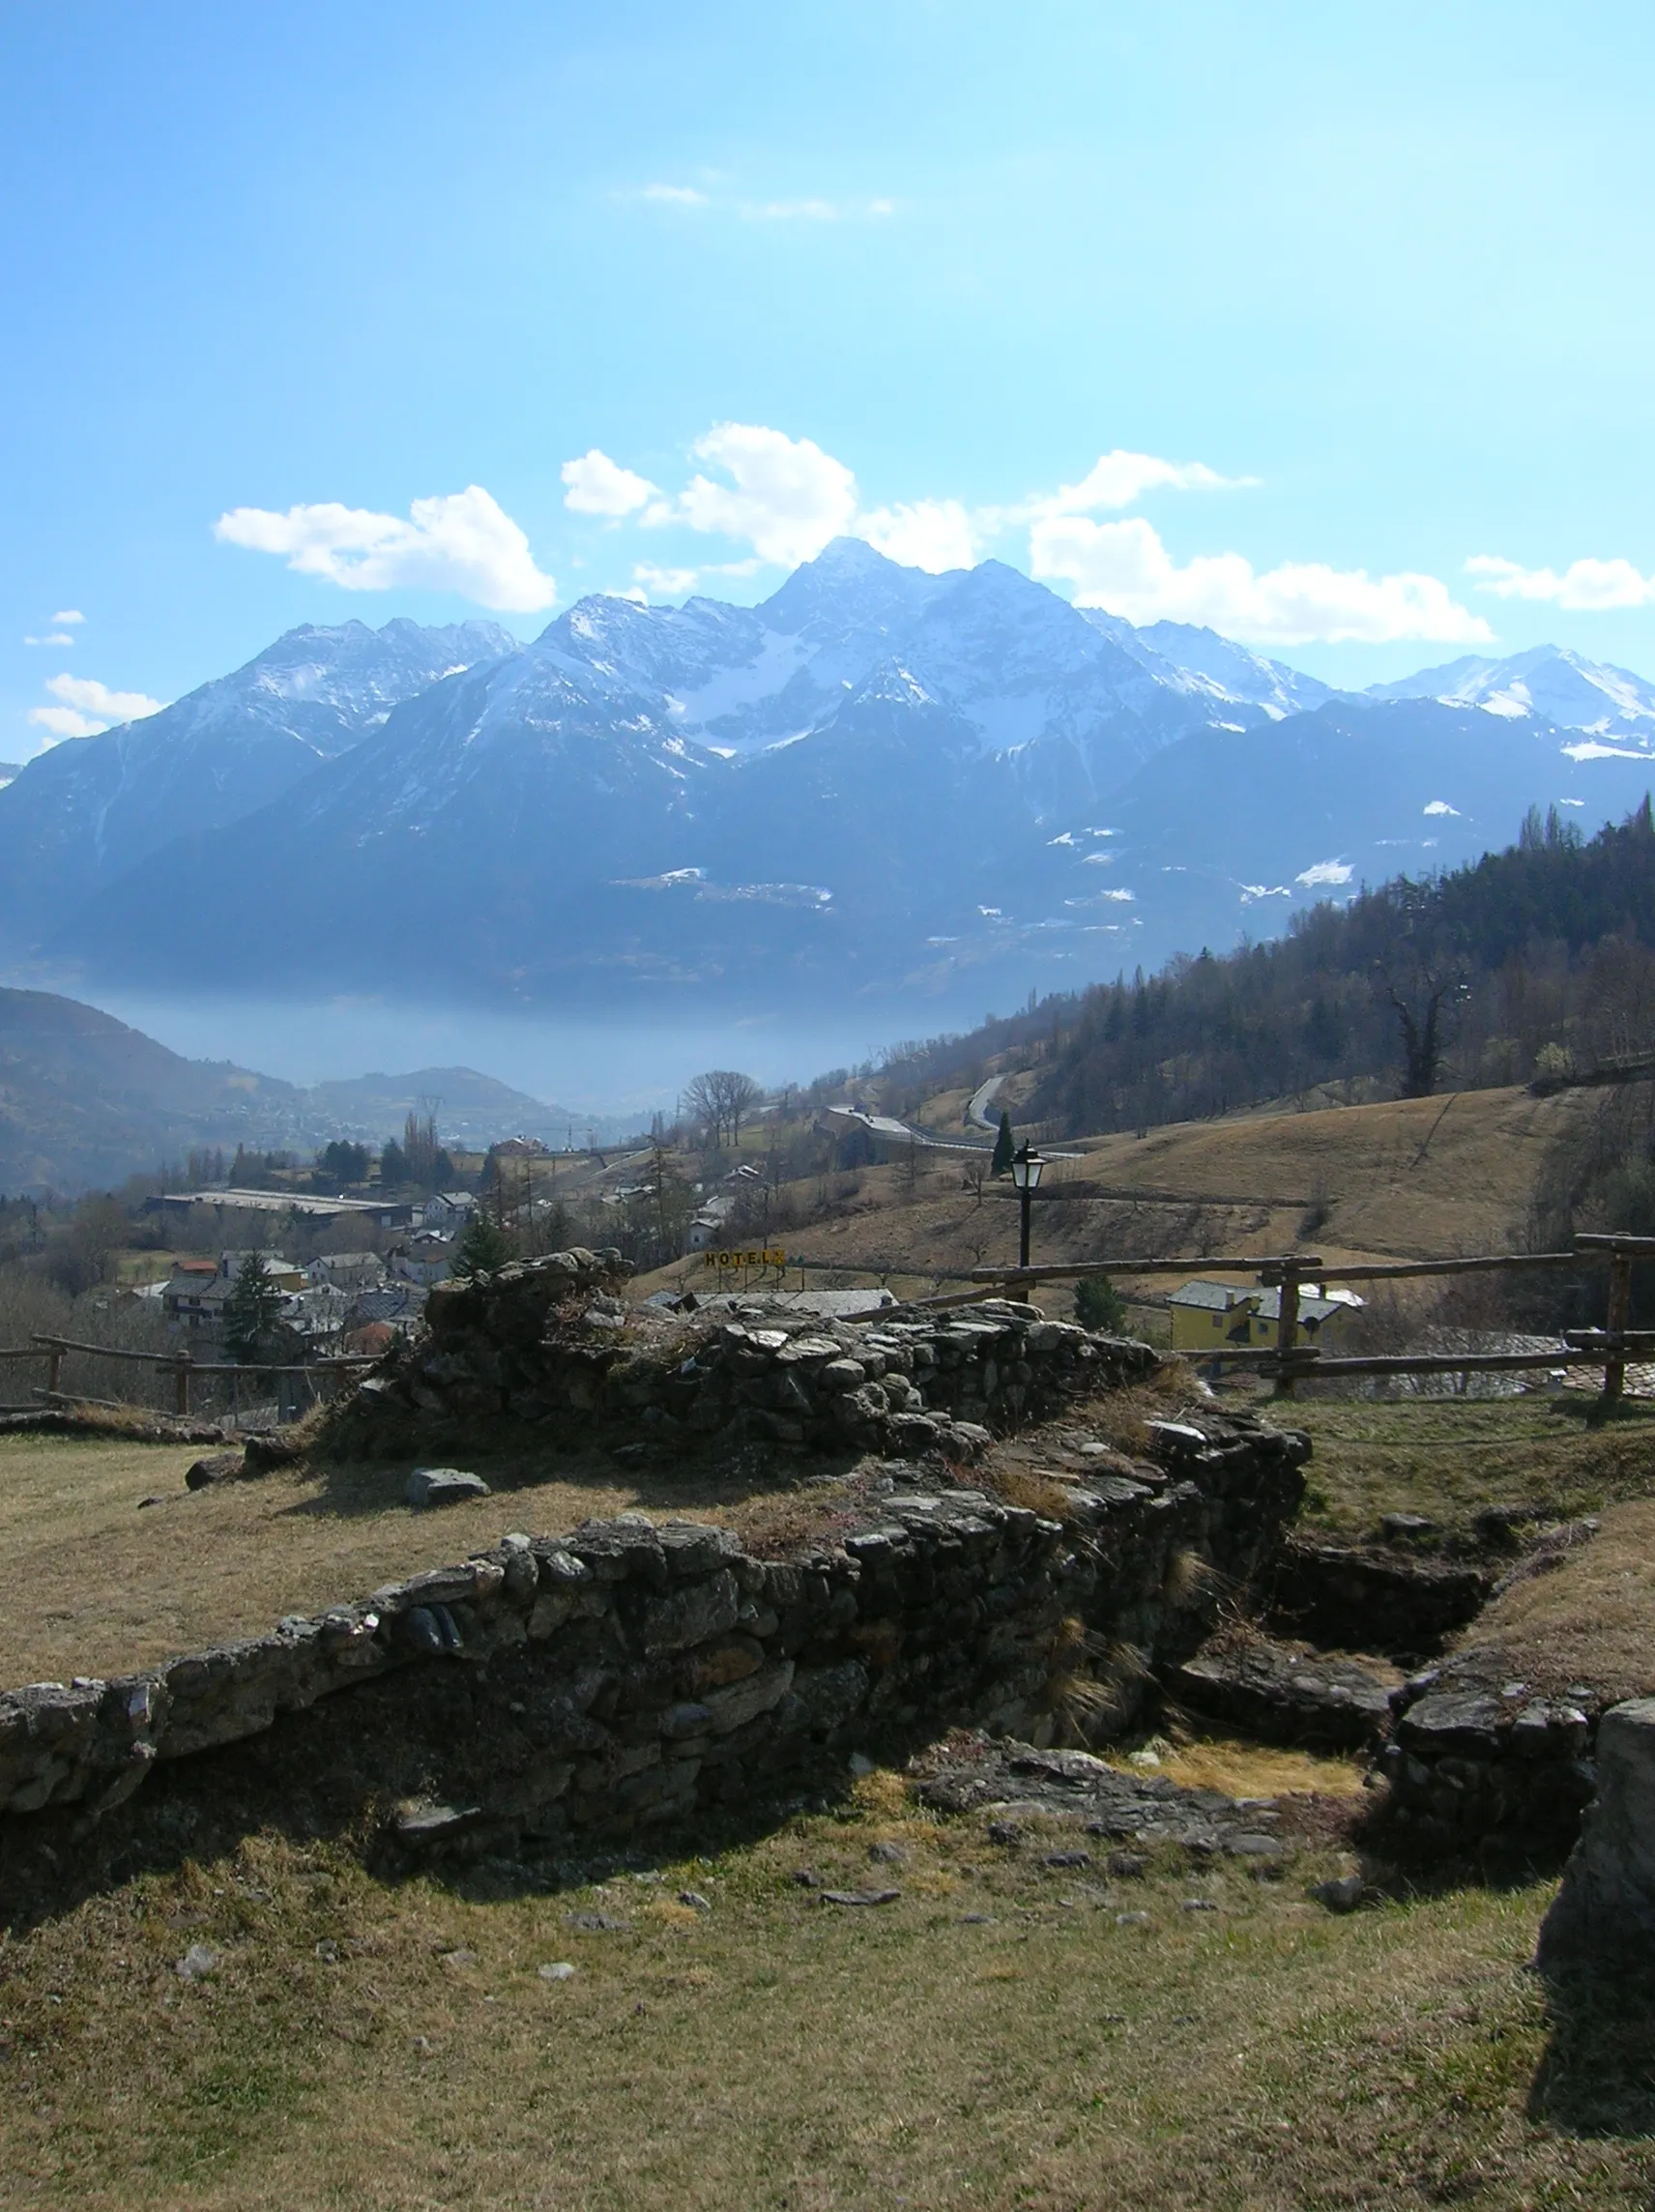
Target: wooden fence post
x=54, y=1369
x=1287, y=1331
x=181, y=1387
x=1619, y=1314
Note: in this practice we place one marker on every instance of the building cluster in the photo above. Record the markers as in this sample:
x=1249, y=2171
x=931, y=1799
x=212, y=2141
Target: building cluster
x=340, y=1302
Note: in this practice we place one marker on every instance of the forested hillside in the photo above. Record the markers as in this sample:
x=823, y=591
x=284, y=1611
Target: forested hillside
x=1539, y=959
x=1536, y=961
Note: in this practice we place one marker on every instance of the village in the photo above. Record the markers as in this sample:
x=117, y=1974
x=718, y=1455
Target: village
x=337, y=1254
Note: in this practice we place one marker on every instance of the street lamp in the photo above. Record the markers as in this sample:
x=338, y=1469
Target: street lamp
x=1026, y=1167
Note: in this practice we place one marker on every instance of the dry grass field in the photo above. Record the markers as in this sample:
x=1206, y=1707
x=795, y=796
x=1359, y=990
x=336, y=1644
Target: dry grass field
x=1004, y=2034
x=92, y=1585
x=1591, y=1619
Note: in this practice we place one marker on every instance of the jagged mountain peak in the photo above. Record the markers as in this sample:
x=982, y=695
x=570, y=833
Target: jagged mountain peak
x=1550, y=683
x=850, y=587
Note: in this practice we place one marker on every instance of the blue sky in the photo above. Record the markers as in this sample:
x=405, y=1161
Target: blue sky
x=1276, y=316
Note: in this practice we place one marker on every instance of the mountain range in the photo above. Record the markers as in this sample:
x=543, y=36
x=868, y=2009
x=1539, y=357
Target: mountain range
x=876, y=784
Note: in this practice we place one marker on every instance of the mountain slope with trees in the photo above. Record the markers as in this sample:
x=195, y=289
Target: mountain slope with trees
x=1536, y=960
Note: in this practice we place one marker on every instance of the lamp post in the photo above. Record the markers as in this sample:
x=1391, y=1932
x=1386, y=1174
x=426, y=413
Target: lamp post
x=1026, y=1167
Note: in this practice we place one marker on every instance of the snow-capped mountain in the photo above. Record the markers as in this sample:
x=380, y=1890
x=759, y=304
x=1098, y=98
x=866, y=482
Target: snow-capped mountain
x=875, y=781
x=1196, y=661
x=1548, y=683
x=91, y=809
x=1011, y=657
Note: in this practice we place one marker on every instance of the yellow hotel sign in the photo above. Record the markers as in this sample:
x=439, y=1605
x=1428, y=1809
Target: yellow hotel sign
x=761, y=1256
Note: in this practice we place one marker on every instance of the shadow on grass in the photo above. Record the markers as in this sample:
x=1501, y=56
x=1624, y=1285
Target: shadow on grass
x=1598, y=2075
x=332, y=1774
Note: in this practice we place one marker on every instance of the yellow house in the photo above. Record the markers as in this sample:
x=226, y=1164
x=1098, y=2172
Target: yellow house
x=1215, y=1317
x=1209, y=1317
x=1320, y=1320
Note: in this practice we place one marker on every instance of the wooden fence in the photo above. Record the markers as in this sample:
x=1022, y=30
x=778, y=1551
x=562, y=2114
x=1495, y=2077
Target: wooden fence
x=1290, y=1362
x=182, y=1366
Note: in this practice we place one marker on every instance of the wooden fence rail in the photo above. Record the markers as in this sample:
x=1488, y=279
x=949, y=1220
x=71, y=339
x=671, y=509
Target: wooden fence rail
x=1290, y=1362
x=181, y=1365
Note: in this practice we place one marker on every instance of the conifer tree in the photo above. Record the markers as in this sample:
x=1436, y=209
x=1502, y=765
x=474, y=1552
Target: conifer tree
x=251, y=1310
x=484, y=1246
x=1003, y=1146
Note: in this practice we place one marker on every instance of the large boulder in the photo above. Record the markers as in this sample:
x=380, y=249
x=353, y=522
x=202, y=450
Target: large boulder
x=1603, y=1918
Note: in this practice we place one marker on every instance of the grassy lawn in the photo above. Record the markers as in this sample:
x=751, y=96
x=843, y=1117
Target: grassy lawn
x=1446, y=1458
x=997, y=2036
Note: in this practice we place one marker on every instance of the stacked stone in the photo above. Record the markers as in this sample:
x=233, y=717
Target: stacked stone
x=628, y=1672
x=547, y=1341
x=1476, y=1761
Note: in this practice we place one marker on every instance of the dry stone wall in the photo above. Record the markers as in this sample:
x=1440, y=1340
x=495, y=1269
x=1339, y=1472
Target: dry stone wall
x=1478, y=1762
x=547, y=1342
x=584, y=1685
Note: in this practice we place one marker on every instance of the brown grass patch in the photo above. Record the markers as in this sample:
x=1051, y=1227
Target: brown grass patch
x=1589, y=1619
x=1025, y=1487
x=1244, y=1770
x=89, y=1584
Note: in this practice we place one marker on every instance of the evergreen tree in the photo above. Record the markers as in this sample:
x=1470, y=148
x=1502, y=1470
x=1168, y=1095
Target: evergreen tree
x=1003, y=1146
x=1099, y=1305
x=484, y=1246
x=251, y=1310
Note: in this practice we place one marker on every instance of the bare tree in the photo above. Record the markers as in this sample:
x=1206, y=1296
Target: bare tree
x=720, y=1098
x=739, y=1095
x=1425, y=1008
x=705, y=1103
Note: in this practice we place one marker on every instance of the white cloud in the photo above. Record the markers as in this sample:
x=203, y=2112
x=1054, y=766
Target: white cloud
x=1583, y=586
x=599, y=486
x=52, y=637
x=1126, y=568
x=811, y=208
x=1326, y=872
x=1121, y=479
x=89, y=707
x=1114, y=480
x=790, y=211
x=458, y=541
x=665, y=583
x=1442, y=806
x=67, y=615
x=930, y=534
x=788, y=498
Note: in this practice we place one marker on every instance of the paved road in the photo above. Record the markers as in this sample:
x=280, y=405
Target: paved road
x=976, y=1112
